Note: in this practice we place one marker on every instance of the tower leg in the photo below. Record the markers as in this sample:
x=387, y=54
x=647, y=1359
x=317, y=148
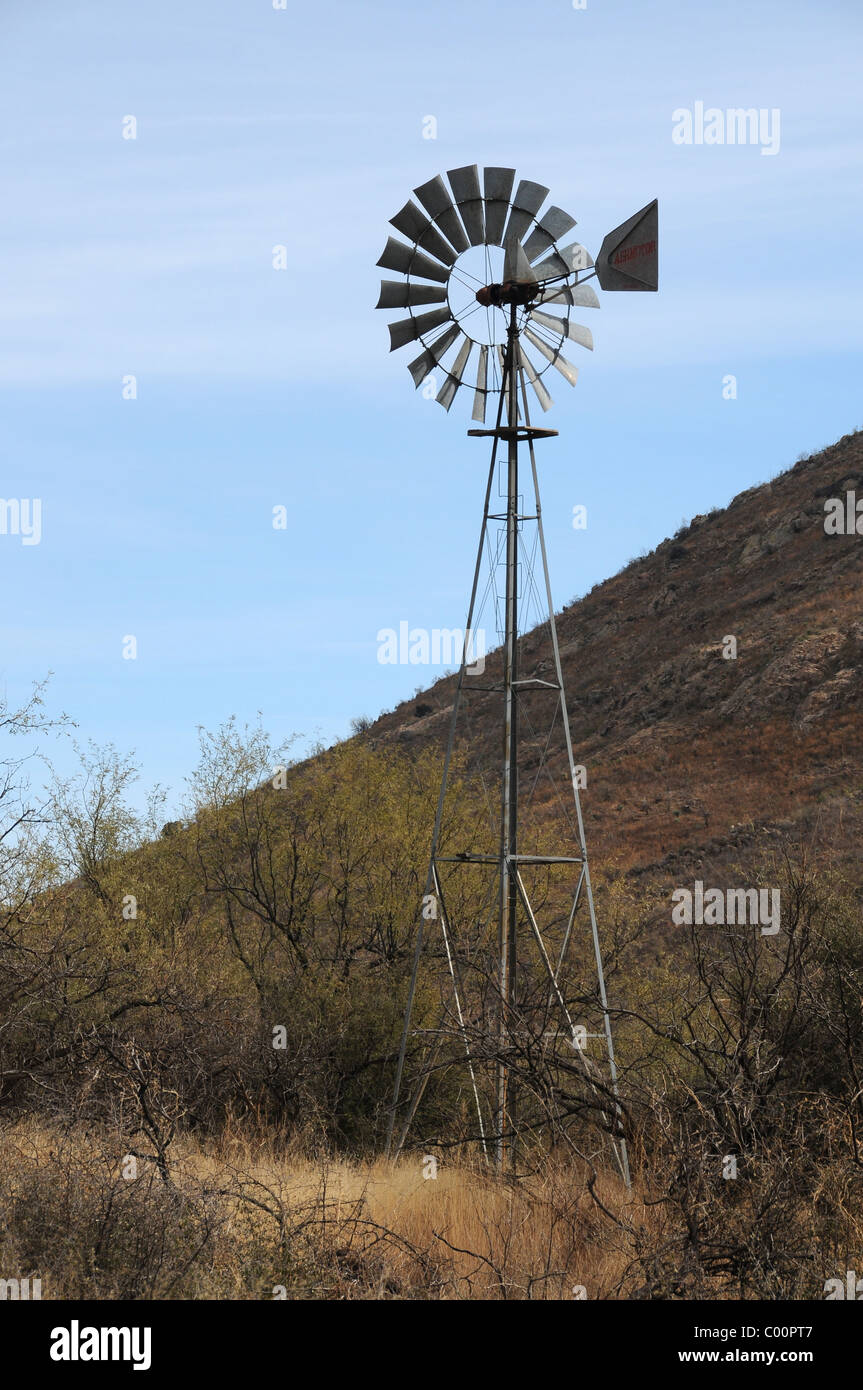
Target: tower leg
x=431, y=877
x=507, y=935
x=620, y=1143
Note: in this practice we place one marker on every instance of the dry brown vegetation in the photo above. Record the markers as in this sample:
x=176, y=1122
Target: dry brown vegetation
x=239, y=1222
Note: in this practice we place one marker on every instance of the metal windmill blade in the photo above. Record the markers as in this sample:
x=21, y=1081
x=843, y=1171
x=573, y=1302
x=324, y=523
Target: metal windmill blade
x=498, y=187
x=582, y=296
x=416, y=226
x=397, y=256
x=556, y=359
x=480, y=395
x=564, y=328
x=529, y=198
x=431, y=357
x=440, y=207
x=407, y=330
x=572, y=258
x=501, y=358
x=554, y=224
x=554, y=267
x=466, y=191
x=399, y=294
x=530, y=372
x=455, y=376
x=516, y=267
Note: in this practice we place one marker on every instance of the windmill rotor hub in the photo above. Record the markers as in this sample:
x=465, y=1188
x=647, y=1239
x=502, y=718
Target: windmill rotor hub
x=510, y=292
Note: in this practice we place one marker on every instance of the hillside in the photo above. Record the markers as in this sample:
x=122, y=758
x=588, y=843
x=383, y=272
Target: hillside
x=692, y=757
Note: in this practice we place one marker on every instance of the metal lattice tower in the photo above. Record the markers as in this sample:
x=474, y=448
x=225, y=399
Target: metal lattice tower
x=498, y=1008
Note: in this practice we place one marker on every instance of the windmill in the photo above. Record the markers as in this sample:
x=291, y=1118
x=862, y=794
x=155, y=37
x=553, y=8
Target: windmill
x=481, y=267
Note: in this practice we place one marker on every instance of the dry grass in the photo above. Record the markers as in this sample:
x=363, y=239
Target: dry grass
x=245, y=1221
x=461, y=1233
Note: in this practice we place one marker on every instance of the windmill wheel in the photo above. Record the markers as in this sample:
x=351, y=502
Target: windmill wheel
x=474, y=252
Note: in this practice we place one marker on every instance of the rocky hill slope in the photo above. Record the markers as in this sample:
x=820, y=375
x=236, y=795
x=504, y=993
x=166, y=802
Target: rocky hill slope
x=695, y=754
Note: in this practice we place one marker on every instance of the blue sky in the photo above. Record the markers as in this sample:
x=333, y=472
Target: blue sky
x=257, y=387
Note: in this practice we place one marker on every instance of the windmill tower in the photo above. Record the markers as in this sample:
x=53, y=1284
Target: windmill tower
x=502, y=905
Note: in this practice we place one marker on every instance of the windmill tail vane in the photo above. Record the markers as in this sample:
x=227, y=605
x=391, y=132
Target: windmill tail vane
x=480, y=251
